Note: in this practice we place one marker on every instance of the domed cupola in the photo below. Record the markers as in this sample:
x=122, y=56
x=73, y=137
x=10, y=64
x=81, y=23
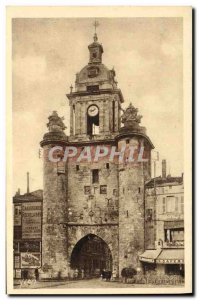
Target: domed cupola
x=95, y=76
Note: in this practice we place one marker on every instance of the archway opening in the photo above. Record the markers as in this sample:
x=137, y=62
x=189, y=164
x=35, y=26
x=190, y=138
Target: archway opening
x=92, y=255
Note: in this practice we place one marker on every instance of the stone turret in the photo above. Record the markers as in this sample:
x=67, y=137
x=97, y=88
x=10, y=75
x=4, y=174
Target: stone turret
x=54, y=239
x=132, y=177
x=56, y=129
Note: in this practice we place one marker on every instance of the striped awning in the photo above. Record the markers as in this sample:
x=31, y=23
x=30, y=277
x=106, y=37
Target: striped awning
x=163, y=256
x=150, y=255
x=171, y=256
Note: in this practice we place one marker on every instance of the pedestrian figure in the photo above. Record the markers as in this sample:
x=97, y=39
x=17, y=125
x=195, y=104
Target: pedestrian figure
x=36, y=274
x=82, y=273
x=103, y=274
x=76, y=273
x=114, y=275
x=71, y=274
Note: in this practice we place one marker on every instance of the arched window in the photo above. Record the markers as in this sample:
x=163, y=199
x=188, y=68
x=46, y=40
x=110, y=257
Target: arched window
x=93, y=120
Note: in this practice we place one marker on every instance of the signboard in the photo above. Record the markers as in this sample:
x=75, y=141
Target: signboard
x=31, y=220
x=17, y=261
x=32, y=246
x=30, y=260
x=17, y=215
x=18, y=273
x=170, y=261
x=150, y=260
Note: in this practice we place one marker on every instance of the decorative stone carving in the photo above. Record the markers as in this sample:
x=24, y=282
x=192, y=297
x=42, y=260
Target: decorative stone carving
x=55, y=123
x=130, y=116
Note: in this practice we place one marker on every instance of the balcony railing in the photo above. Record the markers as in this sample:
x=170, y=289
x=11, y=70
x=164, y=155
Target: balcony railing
x=174, y=244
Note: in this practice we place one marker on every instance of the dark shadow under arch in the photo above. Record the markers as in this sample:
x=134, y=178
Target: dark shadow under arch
x=92, y=255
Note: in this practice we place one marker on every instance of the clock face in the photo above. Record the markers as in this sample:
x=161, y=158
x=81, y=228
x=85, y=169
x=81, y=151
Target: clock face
x=93, y=111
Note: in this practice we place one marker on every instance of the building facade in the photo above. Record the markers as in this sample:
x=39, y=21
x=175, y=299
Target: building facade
x=27, y=244
x=164, y=224
x=93, y=210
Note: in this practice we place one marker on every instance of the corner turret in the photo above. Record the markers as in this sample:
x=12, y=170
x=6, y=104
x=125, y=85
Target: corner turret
x=56, y=129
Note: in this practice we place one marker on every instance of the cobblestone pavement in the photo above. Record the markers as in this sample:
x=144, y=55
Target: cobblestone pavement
x=87, y=283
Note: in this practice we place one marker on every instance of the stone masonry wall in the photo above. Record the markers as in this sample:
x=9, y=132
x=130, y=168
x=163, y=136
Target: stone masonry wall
x=54, y=242
x=131, y=211
x=93, y=206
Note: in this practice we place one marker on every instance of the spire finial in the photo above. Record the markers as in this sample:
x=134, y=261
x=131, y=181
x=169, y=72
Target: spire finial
x=95, y=24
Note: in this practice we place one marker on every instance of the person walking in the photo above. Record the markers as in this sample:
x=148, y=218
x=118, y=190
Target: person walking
x=114, y=275
x=76, y=273
x=82, y=273
x=36, y=274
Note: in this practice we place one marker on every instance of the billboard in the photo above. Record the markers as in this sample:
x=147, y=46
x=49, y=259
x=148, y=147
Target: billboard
x=31, y=220
x=30, y=260
x=17, y=215
x=16, y=261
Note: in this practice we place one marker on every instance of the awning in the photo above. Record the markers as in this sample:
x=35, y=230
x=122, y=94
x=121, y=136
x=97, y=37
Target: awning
x=171, y=256
x=173, y=224
x=150, y=255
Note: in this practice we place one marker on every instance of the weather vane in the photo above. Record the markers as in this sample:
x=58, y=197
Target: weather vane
x=96, y=24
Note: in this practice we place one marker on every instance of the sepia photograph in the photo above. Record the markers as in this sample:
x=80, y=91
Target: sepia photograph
x=99, y=145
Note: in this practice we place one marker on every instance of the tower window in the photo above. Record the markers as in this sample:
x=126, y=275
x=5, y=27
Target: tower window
x=127, y=141
x=95, y=176
x=93, y=126
x=87, y=190
x=73, y=112
x=103, y=189
x=92, y=88
x=113, y=117
x=77, y=167
x=107, y=165
x=149, y=213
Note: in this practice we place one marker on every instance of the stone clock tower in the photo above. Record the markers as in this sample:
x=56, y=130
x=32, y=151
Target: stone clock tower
x=93, y=213
x=95, y=103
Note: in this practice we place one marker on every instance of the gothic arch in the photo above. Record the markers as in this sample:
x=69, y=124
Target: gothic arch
x=108, y=235
x=91, y=254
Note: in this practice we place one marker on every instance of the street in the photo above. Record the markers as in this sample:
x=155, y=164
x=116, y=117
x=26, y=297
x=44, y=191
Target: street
x=87, y=283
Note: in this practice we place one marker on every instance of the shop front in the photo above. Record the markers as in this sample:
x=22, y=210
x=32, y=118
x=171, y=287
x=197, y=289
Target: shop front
x=163, y=261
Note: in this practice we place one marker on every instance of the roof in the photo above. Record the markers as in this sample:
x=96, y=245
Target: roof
x=169, y=180
x=29, y=197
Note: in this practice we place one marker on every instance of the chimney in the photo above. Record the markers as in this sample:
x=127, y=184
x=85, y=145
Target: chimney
x=28, y=183
x=18, y=192
x=163, y=168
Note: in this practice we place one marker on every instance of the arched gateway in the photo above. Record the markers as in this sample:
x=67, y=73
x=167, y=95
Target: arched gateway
x=93, y=212
x=92, y=255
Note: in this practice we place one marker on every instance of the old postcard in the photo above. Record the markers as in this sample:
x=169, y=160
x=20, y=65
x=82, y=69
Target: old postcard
x=99, y=125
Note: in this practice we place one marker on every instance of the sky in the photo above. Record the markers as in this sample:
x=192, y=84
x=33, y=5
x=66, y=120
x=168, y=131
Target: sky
x=147, y=55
